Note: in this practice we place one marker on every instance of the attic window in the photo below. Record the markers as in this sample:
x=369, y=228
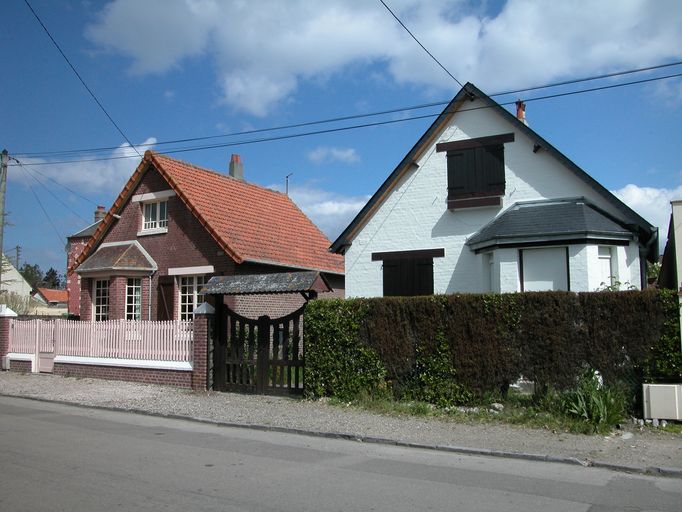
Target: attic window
x=155, y=216
x=475, y=171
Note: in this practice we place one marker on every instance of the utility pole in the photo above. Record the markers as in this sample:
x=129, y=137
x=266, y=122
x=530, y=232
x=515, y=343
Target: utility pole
x=16, y=260
x=4, y=158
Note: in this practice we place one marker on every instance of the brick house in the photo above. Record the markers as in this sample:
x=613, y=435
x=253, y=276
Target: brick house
x=174, y=225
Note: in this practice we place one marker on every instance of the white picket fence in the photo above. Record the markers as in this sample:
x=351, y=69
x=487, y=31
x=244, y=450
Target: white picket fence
x=113, y=339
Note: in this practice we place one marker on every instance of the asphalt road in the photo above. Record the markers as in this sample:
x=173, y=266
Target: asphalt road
x=56, y=457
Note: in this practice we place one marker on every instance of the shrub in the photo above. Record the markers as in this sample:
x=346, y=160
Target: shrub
x=598, y=405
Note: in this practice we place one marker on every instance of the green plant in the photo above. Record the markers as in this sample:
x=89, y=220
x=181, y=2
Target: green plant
x=435, y=379
x=593, y=402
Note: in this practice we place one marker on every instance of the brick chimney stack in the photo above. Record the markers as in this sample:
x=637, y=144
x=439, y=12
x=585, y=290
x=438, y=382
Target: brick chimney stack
x=100, y=212
x=236, y=167
x=521, y=112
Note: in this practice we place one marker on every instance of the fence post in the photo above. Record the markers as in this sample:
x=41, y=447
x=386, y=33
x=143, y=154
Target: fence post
x=204, y=316
x=6, y=315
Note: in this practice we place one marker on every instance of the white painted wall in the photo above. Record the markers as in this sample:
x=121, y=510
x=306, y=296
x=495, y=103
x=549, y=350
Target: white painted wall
x=12, y=280
x=415, y=215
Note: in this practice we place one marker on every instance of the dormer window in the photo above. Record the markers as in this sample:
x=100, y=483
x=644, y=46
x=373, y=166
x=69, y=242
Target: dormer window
x=475, y=171
x=154, y=207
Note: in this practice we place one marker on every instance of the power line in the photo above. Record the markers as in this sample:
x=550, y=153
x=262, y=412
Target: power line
x=358, y=126
x=420, y=44
x=37, y=169
x=92, y=94
x=55, y=196
x=49, y=219
x=75, y=152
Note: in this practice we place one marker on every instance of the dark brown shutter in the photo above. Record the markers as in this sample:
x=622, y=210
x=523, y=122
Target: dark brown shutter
x=476, y=172
x=165, y=305
x=492, y=169
x=460, y=171
x=408, y=277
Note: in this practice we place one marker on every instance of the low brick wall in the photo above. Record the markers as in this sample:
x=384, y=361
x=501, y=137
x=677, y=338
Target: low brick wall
x=182, y=379
x=20, y=366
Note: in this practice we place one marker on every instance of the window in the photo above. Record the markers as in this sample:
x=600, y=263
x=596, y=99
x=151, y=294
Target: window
x=190, y=298
x=475, y=171
x=134, y=299
x=101, y=299
x=544, y=269
x=605, y=267
x=155, y=216
x=408, y=273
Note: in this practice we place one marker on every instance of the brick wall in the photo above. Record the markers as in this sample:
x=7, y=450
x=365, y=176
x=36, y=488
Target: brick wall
x=145, y=375
x=20, y=366
x=73, y=280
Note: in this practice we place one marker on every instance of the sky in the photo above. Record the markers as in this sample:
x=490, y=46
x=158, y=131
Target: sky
x=168, y=70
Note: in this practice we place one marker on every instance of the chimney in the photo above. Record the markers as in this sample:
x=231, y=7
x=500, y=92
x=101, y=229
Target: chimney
x=100, y=212
x=236, y=167
x=521, y=112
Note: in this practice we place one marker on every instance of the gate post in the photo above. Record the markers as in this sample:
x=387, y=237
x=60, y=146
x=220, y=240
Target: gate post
x=203, y=320
x=263, y=359
x=6, y=315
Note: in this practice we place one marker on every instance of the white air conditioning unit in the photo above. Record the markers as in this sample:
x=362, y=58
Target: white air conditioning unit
x=663, y=401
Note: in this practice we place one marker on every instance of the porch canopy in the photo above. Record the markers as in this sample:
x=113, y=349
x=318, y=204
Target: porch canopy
x=308, y=284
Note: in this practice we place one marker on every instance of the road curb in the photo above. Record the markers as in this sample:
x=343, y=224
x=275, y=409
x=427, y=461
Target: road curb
x=622, y=468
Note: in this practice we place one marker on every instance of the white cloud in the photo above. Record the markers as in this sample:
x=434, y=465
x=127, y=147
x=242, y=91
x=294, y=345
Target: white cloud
x=324, y=155
x=83, y=176
x=331, y=212
x=651, y=203
x=261, y=55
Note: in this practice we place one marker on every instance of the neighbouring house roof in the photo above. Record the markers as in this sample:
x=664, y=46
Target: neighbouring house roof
x=250, y=223
x=86, y=232
x=250, y=284
x=470, y=92
x=53, y=296
x=129, y=256
x=12, y=281
x=549, y=220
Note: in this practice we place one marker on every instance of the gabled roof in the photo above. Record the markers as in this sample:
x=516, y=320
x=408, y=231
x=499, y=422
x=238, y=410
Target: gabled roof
x=469, y=93
x=548, y=220
x=87, y=231
x=53, y=296
x=129, y=256
x=248, y=222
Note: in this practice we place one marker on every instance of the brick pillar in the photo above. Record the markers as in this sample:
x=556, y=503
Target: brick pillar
x=203, y=329
x=6, y=315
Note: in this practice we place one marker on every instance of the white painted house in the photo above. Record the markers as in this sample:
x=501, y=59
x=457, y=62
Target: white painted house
x=482, y=203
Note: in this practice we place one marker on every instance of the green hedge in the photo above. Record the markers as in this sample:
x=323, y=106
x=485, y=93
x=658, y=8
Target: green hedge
x=457, y=348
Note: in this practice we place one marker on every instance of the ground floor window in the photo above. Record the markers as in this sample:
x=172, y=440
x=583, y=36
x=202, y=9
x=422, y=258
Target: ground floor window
x=544, y=269
x=408, y=273
x=190, y=298
x=605, y=267
x=101, y=299
x=134, y=299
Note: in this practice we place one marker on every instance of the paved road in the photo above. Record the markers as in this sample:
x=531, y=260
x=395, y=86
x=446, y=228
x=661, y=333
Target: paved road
x=55, y=457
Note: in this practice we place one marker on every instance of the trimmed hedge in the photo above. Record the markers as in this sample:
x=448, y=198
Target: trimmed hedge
x=457, y=348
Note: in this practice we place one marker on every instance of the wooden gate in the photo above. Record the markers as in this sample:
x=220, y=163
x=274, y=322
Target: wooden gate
x=262, y=356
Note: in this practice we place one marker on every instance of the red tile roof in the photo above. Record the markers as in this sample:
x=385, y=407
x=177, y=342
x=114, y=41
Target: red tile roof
x=250, y=223
x=54, y=295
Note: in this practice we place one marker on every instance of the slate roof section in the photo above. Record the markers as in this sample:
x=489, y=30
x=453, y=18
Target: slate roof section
x=128, y=256
x=250, y=223
x=88, y=231
x=564, y=219
x=251, y=284
x=646, y=231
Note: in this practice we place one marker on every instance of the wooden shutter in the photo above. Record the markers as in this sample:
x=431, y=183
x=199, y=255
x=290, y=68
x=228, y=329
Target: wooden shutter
x=476, y=172
x=408, y=277
x=491, y=165
x=165, y=305
x=461, y=165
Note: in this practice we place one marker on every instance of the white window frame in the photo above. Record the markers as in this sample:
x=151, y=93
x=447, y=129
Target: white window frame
x=189, y=296
x=100, y=299
x=133, y=298
x=156, y=222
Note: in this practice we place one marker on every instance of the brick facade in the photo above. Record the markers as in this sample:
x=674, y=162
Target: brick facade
x=73, y=280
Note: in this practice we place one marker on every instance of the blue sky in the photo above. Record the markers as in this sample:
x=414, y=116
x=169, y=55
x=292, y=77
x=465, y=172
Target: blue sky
x=175, y=69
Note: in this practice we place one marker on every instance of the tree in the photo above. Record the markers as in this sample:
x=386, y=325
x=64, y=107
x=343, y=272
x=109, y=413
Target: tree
x=32, y=273
x=52, y=279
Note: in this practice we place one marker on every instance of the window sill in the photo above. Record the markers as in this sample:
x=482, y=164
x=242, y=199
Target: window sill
x=474, y=202
x=156, y=231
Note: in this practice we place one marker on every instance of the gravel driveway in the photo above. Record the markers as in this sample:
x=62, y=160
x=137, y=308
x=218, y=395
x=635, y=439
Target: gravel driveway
x=631, y=447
